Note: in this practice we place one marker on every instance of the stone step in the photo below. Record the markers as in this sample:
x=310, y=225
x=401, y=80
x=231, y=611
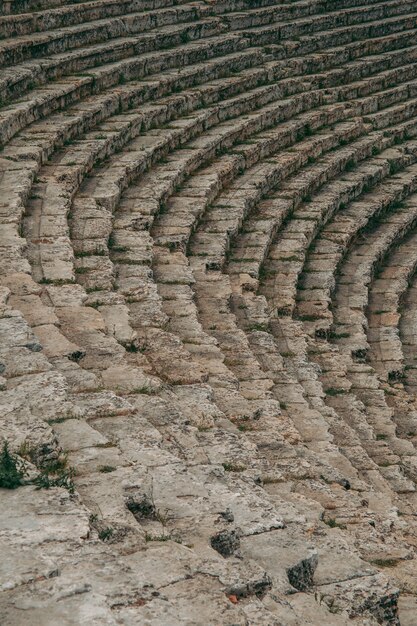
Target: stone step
x=386, y=294
x=116, y=73
x=406, y=326
x=57, y=16
x=61, y=40
x=212, y=311
x=336, y=238
x=278, y=296
x=285, y=257
x=316, y=284
x=15, y=7
x=173, y=24
x=331, y=31
x=64, y=16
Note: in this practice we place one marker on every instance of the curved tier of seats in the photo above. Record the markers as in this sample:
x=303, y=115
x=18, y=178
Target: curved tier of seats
x=203, y=206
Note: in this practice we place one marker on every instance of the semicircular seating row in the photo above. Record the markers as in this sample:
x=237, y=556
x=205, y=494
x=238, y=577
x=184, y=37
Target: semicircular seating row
x=208, y=291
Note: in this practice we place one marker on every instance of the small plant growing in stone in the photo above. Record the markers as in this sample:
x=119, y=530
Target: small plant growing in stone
x=233, y=467
x=203, y=428
x=163, y=537
x=142, y=509
x=145, y=509
x=106, y=533
x=332, y=523
x=55, y=473
x=12, y=471
x=385, y=562
x=143, y=390
x=243, y=423
x=335, y=391
x=63, y=479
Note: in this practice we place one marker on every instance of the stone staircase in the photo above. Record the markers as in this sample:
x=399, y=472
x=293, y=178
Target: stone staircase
x=207, y=312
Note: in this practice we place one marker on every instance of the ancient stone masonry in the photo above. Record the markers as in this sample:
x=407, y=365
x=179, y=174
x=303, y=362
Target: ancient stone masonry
x=208, y=312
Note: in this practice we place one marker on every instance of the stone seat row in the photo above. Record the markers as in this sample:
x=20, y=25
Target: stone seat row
x=119, y=251
x=383, y=313
x=162, y=218
x=19, y=118
x=288, y=21
x=80, y=12
x=284, y=240
x=82, y=262
x=27, y=76
x=406, y=327
x=320, y=271
x=52, y=17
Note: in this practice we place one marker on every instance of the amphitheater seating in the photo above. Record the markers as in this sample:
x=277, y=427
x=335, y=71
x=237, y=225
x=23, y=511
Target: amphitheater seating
x=207, y=312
